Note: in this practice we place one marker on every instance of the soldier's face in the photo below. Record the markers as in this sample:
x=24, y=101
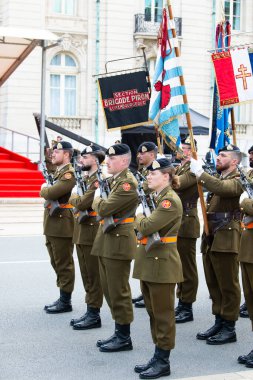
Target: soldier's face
x=157, y=180
x=251, y=159
x=224, y=161
x=58, y=157
x=87, y=161
x=187, y=152
x=145, y=158
x=115, y=164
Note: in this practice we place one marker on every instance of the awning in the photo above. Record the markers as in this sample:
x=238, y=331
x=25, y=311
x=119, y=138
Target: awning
x=16, y=44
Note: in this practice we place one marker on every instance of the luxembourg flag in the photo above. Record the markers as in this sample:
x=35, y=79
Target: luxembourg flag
x=166, y=103
x=233, y=70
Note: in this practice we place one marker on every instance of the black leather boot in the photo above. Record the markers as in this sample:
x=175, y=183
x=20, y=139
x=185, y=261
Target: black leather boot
x=226, y=334
x=63, y=305
x=243, y=359
x=160, y=366
x=52, y=304
x=178, y=308
x=122, y=342
x=213, y=330
x=140, y=304
x=101, y=342
x=137, y=299
x=91, y=321
x=185, y=314
x=73, y=321
x=143, y=367
x=244, y=311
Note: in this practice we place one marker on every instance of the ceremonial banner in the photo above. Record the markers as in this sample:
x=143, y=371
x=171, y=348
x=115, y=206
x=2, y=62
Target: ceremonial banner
x=166, y=103
x=234, y=78
x=220, y=135
x=125, y=99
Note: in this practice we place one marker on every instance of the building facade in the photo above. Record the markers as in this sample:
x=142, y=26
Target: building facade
x=95, y=34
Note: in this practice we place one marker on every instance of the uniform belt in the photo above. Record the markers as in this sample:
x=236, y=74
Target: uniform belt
x=90, y=213
x=123, y=221
x=247, y=226
x=63, y=205
x=166, y=239
x=221, y=215
x=189, y=205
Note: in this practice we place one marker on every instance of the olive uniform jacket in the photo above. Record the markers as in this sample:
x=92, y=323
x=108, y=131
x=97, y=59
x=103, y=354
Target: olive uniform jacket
x=119, y=243
x=224, y=198
x=161, y=264
x=246, y=253
x=85, y=232
x=188, y=193
x=62, y=223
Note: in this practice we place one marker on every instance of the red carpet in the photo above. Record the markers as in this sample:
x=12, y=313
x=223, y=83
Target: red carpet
x=19, y=178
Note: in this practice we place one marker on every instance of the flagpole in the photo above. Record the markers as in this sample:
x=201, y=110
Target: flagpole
x=149, y=89
x=233, y=126
x=190, y=130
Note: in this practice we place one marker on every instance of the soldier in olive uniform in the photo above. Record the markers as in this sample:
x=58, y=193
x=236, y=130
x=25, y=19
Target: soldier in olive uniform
x=243, y=308
x=116, y=248
x=58, y=228
x=220, y=249
x=187, y=236
x=146, y=154
x=159, y=268
x=84, y=235
x=246, y=262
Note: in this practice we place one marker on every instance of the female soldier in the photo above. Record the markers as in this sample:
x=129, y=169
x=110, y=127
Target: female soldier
x=159, y=268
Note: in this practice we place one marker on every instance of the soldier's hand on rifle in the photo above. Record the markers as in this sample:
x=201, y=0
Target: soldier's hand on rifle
x=196, y=167
x=43, y=185
x=243, y=196
x=139, y=210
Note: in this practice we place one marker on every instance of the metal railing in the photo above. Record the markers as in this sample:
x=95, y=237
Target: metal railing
x=21, y=143
x=151, y=27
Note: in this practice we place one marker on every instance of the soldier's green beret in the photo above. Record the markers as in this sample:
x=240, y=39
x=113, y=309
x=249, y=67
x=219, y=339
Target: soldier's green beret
x=117, y=150
x=229, y=148
x=63, y=145
x=160, y=163
x=147, y=146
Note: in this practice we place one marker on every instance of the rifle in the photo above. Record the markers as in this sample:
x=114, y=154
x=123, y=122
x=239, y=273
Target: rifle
x=246, y=184
x=55, y=206
x=207, y=168
x=81, y=189
x=153, y=239
x=109, y=223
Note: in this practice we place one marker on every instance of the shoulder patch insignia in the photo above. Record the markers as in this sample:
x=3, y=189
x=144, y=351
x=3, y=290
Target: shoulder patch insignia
x=166, y=203
x=68, y=175
x=126, y=186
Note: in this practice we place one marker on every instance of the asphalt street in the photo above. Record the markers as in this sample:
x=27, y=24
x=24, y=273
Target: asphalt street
x=35, y=345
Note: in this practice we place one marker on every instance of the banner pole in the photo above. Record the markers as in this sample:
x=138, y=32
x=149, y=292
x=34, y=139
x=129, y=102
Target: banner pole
x=190, y=130
x=233, y=126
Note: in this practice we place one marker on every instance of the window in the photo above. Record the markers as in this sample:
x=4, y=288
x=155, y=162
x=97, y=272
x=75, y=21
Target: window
x=153, y=10
x=63, y=85
x=66, y=7
x=232, y=10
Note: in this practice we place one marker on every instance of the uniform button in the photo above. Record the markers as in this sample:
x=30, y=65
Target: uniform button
x=60, y=216
x=244, y=228
x=156, y=258
x=230, y=228
x=186, y=215
x=91, y=224
x=138, y=245
x=117, y=234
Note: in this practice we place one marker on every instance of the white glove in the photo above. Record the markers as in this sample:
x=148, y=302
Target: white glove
x=243, y=196
x=196, y=167
x=74, y=190
x=97, y=193
x=43, y=185
x=139, y=210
